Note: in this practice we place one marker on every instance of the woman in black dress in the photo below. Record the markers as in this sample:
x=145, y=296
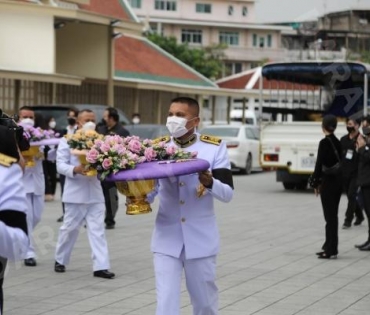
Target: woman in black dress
x=326, y=181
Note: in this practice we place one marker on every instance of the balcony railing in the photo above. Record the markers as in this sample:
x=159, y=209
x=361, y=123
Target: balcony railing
x=254, y=54
x=283, y=54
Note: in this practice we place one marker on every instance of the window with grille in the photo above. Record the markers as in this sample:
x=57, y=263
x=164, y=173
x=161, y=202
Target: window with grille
x=254, y=40
x=203, y=8
x=165, y=5
x=231, y=10
x=245, y=11
x=191, y=36
x=269, y=40
x=229, y=38
x=135, y=4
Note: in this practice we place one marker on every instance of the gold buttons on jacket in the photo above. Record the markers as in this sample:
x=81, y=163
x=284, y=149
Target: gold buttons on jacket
x=183, y=220
x=182, y=202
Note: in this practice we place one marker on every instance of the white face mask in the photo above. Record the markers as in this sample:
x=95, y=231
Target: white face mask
x=52, y=124
x=89, y=126
x=135, y=120
x=28, y=121
x=177, y=126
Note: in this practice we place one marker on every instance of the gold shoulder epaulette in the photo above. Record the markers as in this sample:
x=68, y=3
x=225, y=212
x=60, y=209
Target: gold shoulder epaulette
x=7, y=160
x=210, y=139
x=162, y=139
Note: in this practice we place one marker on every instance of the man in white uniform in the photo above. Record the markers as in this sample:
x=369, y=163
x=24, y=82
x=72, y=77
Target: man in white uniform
x=186, y=234
x=34, y=183
x=84, y=202
x=13, y=205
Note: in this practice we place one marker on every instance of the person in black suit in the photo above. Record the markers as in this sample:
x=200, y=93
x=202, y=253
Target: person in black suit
x=363, y=181
x=327, y=182
x=350, y=171
x=111, y=126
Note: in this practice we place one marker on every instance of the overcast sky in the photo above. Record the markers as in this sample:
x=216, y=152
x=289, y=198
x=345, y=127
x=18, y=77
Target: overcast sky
x=296, y=10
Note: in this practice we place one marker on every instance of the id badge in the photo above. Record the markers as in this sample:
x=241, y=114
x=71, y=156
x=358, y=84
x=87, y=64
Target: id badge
x=349, y=154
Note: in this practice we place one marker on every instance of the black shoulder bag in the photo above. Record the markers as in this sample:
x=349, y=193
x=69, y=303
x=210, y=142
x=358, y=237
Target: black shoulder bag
x=336, y=168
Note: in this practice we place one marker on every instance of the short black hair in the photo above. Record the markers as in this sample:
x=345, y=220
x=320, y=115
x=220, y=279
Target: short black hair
x=355, y=120
x=86, y=110
x=74, y=110
x=26, y=108
x=135, y=115
x=113, y=113
x=191, y=102
x=329, y=123
x=366, y=118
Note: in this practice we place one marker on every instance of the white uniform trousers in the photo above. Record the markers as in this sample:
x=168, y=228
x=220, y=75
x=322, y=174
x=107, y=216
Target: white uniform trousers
x=200, y=275
x=74, y=217
x=34, y=212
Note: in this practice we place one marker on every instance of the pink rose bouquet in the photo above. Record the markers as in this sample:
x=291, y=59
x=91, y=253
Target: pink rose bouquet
x=114, y=153
x=110, y=155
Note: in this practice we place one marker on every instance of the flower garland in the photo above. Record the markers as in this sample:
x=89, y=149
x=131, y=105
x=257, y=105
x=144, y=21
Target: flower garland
x=35, y=134
x=114, y=153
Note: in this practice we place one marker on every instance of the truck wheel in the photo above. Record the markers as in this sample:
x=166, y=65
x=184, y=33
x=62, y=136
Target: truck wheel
x=289, y=186
x=301, y=186
x=248, y=166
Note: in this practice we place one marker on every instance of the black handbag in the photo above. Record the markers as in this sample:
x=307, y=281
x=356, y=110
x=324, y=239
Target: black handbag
x=336, y=168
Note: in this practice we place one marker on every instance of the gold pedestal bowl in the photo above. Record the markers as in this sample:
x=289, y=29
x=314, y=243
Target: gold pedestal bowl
x=30, y=155
x=136, y=192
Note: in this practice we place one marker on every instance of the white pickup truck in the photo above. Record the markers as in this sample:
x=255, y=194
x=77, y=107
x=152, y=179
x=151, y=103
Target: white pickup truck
x=291, y=149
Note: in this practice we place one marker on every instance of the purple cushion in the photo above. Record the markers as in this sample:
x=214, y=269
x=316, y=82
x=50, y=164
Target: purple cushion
x=156, y=169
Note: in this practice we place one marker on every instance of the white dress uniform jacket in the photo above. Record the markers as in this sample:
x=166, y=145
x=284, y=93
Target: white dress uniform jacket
x=77, y=188
x=184, y=220
x=13, y=241
x=34, y=181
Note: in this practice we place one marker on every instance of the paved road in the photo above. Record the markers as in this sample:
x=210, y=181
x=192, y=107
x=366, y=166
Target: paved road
x=267, y=265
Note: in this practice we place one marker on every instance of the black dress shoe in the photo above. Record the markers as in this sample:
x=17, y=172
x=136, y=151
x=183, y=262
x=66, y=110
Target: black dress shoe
x=109, y=226
x=362, y=245
x=30, y=262
x=320, y=253
x=358, y=221
x=365, y=248
x=326, y=256
x=104, y=274
x=60, y=219
x=346, y=225
x=59, y=267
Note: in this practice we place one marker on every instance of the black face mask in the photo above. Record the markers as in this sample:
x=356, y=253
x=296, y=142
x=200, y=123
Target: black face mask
x=366, y=131
x=71, y=121
x=350, y=129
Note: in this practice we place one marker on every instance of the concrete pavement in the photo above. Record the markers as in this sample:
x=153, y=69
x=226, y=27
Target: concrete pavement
x=267, y=264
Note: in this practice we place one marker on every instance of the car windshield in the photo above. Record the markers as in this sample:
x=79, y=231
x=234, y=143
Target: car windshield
x=221, y=132
x=147, y=131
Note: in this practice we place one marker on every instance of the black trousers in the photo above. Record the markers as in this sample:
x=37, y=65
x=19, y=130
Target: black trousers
x=50, y=174
x=353, y=209
x=111, y=201
x=3, y=262
x=62, y=180
x=331, y=191
x=365, y=190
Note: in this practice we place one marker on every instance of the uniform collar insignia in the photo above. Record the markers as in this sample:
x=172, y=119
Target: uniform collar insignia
x=187, y=142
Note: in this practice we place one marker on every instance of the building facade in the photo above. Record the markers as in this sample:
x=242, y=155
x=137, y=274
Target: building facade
x=201, y=23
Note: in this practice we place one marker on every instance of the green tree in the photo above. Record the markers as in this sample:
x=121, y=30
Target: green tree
x=207, y=60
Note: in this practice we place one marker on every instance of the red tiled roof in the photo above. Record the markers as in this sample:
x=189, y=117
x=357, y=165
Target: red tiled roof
x=236, y=83
x=140, y=59
x=241, y=81
x=113, y=8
